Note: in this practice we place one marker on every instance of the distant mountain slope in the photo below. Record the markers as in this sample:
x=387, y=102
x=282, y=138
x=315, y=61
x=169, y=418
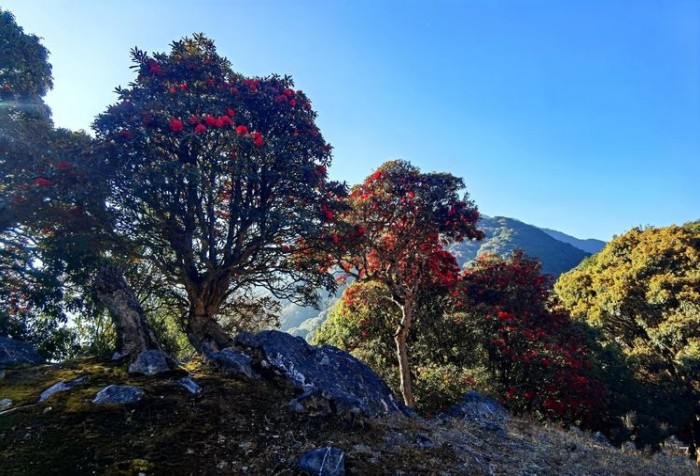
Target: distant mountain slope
x=590, y=245
x=503, y=235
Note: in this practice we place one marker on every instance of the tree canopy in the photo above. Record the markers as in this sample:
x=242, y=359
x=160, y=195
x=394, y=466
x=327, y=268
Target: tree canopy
x=219, y=180
x=643, y=291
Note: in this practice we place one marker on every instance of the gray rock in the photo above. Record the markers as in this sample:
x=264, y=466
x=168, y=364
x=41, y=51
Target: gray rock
x=323, y=462
x=481, y=410
x=150, y=362
x=324, y=372
x=5, y=403
x=234, y=363
x=118, y=394
x=62, y=386
x=190, y=385
x=15, y=352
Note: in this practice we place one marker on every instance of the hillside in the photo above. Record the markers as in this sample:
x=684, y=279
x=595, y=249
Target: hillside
x=247, y=427
x=504, y=235
x=589, y=245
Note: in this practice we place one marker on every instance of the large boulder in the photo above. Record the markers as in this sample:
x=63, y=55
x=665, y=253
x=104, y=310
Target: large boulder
x=15, y=352
x=321, y=373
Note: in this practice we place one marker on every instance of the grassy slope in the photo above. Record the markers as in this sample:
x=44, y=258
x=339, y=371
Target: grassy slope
x=237, y=427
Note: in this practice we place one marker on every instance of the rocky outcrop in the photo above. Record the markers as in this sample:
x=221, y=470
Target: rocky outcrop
x=15, y=352
x=232, y=363
x=118, y=394
x=323, y=374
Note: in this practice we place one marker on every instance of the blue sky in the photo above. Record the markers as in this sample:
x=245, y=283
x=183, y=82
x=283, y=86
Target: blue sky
x=582, y=116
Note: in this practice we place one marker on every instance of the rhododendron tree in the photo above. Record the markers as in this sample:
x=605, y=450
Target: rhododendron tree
x=539, y=358
x=397, y=225
x=219, y=179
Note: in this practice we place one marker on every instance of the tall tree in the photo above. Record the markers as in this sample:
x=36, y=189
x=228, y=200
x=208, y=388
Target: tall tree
x=219, y=179
x=399, y=222
x=643, y=292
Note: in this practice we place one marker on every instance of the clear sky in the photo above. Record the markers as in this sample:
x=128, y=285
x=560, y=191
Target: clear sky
x=582, y=116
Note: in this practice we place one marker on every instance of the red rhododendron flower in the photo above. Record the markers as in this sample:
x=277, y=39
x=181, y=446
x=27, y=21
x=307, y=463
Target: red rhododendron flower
x=257, y=139
x=288, y=92
x=328, y=214
x=176, y=125
x=252, y=84
x=224, y=121
x=321, y=170
x=241, y=130
x=281, y=98
x=43, y=182
x=193, y=119
x=200, y=129
x=230, y=112
x=173, y=89
x=307, y=106
x=292, y=102
x=63, y=165
x=154, y=67
x=210, y=120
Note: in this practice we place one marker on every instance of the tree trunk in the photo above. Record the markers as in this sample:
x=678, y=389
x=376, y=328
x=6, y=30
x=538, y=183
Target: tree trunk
x=133, y=334
x=400, y=338
x=204, y=333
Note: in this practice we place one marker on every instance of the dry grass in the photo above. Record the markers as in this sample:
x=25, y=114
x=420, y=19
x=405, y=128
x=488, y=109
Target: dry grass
x=239, y=427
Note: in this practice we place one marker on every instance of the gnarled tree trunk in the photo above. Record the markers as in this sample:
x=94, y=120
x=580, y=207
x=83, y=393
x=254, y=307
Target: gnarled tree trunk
x=205, y=334
x=133, y=333
x=203, y=331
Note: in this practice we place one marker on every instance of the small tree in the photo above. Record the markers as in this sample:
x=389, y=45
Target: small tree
x=219, y=179
x=399, y=221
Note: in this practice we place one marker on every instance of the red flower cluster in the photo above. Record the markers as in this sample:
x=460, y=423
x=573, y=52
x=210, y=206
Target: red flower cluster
x=328, y=214
x=154, y=67
x=176, y=125
x=252, y=84
x=257, y=139
x=43, y=182
x=241, y=130
x=63, y=165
